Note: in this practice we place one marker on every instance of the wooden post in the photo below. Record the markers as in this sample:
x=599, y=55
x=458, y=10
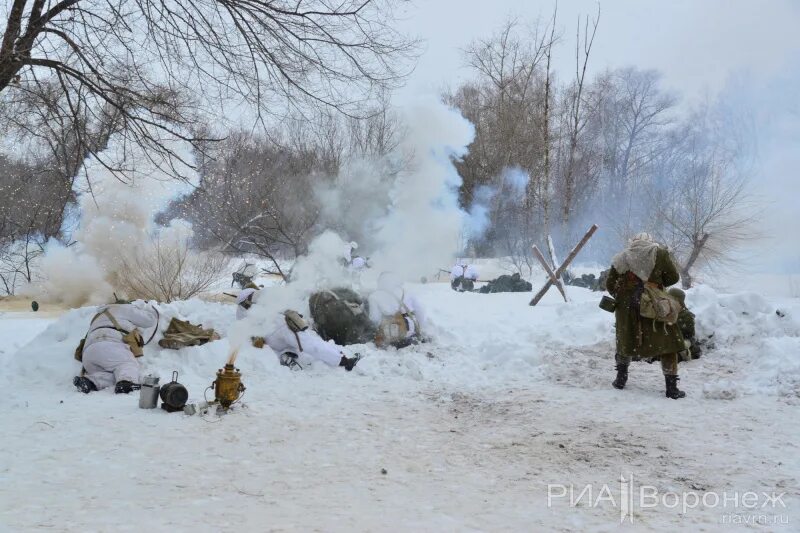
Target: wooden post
x=549, y=270
x=565, y=264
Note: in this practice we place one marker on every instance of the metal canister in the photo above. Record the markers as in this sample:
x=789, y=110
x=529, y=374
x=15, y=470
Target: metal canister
x=173, y=395
x=148, y=394
x=607, y=303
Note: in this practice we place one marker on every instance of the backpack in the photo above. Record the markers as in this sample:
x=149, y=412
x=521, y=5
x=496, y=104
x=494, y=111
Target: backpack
x=658, y=305
x=341, y=315
x=79, y=350
x=394, y=328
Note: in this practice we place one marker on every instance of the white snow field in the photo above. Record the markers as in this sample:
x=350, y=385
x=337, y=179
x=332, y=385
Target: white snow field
x=471, y=432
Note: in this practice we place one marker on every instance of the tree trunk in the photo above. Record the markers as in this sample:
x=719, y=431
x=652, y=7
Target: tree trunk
x=698, y=242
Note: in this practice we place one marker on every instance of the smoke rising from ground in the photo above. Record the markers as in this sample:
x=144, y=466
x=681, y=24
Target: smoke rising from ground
x=412, y=224
x=116, y=221
x=422, y=228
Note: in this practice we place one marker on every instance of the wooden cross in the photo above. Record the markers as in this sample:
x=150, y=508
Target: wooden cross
x=554, y=276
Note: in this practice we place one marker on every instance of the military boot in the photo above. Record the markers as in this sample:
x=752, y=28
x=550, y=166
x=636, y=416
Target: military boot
x=126, y=387
x=349, y=362
x=672, y=388
x=84, y=384
x=622, y=376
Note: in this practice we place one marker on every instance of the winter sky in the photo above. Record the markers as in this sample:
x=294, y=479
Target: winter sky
x=747, y=50
x=697, y=44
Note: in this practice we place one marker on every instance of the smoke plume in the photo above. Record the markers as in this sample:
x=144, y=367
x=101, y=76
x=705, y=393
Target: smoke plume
x=116, y=220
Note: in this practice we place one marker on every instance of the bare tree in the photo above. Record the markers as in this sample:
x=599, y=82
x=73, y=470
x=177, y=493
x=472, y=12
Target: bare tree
x=166, y=270
x=31, y=212
x=256, y=196
x=704, y=210
x=504, y=103
x=544, y=181
x=576, y=118
x=139, y=59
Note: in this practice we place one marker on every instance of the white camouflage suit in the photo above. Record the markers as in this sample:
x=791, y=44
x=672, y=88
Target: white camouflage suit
x=282, y=340
x=106, y=358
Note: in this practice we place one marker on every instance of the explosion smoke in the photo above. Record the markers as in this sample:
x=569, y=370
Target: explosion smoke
x=116, y=220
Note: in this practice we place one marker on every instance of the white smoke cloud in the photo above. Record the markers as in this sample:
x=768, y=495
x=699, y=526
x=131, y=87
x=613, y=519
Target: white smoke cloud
x=413, y=223
x=353, y=201
x=512, y=186
x=516, y=180
x=480, y=210
x=421, y=230
x=116, y=218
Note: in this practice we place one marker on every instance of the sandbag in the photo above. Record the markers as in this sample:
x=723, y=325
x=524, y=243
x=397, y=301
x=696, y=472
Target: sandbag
x=506, y=283
x=341, y=315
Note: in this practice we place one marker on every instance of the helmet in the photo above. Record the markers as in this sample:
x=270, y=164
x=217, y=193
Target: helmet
x=354, y=245
x=643, y=236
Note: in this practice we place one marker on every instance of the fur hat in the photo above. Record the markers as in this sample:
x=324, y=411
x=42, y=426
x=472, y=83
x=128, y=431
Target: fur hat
x=643, y=236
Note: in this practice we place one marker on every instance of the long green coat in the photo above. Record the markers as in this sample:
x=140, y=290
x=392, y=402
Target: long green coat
x=640, y=337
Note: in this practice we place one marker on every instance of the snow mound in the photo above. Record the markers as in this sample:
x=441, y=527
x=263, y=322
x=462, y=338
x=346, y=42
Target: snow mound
x=479, y=340
x=755, y=338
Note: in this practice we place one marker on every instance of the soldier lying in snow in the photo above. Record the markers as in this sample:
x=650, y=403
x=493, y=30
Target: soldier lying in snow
x=587, y=281
x=397, y=315
x=294, y=343
x=110, y=348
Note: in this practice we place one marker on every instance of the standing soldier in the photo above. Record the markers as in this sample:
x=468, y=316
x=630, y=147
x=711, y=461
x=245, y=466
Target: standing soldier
x=644, y=264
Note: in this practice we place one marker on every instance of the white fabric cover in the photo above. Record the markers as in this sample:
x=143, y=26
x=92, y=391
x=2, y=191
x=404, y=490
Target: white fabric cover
x=241, y=312
x=281, y=340
x=106, y=358
x=639, y=257
x=468, y=271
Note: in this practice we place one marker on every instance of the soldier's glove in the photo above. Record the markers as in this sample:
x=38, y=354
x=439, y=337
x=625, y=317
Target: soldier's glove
x=258, y=342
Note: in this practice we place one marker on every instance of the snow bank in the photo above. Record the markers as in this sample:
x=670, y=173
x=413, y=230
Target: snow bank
x=478, y=340
x=756, y=338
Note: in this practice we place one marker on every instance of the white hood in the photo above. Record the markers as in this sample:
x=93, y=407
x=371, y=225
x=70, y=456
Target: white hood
x=639, y=257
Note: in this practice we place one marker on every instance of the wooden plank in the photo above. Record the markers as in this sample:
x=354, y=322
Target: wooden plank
x=565, y=264
x=550, y=272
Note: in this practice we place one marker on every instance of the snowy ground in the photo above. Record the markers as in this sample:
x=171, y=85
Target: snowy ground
x=469, y=429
